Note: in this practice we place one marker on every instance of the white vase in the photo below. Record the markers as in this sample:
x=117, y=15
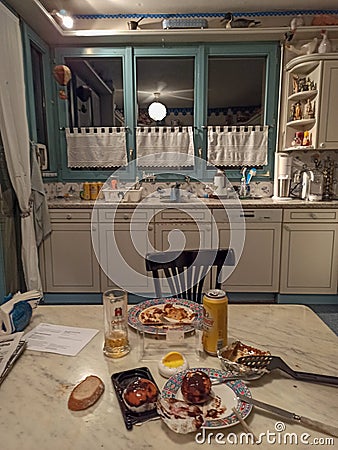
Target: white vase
x=325, y=45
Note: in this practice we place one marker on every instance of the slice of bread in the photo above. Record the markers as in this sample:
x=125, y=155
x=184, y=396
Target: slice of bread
x=86, y=393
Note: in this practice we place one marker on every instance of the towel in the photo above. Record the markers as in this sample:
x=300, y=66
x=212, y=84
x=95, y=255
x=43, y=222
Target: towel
x=38, y=198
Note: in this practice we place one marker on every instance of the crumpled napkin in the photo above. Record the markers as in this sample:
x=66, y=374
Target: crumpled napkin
x=16, y=311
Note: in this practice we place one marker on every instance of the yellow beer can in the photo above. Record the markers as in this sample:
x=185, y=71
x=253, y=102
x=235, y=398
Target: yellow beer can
x=94, y=191
x=215, y=321
x=85, y=194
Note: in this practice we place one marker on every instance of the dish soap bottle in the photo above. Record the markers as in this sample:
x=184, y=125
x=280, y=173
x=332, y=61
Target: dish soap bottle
x=325, y=45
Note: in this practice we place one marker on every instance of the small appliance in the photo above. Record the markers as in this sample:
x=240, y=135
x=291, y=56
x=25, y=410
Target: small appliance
x=283, y=168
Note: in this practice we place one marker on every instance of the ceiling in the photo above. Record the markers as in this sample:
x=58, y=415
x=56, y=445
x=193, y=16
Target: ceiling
x=98, y=17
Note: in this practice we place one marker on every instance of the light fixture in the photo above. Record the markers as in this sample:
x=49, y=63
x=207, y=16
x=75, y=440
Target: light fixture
x=156, y=110
x=66, y=20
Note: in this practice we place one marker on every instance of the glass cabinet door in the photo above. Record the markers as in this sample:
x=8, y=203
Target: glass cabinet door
x=166, y=83
x=236, y=90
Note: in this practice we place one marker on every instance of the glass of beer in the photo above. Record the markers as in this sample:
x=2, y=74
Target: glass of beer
x=115, y=303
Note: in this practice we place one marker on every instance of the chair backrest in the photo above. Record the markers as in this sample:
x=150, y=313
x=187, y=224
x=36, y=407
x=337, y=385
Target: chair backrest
x=186, y=270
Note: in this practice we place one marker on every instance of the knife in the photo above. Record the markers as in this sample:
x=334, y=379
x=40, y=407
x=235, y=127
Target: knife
x=311, y=423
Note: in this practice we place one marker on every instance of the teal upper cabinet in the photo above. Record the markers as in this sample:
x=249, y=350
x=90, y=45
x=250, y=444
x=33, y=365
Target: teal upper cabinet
x=207, y=87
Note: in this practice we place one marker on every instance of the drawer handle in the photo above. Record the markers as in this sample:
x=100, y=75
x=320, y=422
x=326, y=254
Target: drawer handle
x=68, y=216
x=313, y=215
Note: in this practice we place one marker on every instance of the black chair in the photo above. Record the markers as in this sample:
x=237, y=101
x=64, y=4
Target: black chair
x=186, y=270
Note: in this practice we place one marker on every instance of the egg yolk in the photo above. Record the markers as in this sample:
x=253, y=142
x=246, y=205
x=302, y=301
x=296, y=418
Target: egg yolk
x=173, y=360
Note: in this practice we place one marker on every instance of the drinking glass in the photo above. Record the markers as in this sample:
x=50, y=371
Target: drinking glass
x=116, y=343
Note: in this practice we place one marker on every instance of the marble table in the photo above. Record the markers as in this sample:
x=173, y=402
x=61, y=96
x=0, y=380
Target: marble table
x=33, y=398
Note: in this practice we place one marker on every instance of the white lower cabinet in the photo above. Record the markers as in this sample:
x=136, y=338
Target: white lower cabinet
x=123, y=240
x=69, y=261
x=298, y=257
x=256, y=243
x=309, y=262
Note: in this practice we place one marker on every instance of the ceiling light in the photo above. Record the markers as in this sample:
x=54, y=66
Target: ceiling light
x=156, y=110
x=66, y=19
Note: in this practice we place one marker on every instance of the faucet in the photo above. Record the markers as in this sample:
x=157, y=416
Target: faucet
x=175, y=193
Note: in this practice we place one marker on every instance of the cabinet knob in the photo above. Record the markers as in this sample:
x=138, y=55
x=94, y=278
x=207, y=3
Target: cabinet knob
x=150, y=228
x=287, y=228
x=126, y=217
x=68, y=216
x=322, y=145
x=94, y=228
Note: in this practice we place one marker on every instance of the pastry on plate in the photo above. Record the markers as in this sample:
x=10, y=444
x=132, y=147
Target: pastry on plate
x=140, y=395
x=196, y=387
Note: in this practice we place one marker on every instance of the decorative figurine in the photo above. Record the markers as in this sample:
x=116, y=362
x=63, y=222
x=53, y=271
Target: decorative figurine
x=309, y=112
x=306, y=139
x=298, y=111
x=305, y=49
x=296, y=22
x=229, y=22
x=325, y=45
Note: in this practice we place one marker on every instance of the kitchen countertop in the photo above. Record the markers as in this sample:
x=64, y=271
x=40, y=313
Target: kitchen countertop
x=33, y=398
x=210, y=202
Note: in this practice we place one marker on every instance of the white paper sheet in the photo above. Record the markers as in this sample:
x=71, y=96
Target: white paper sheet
x=8, y=344
x=59, y=339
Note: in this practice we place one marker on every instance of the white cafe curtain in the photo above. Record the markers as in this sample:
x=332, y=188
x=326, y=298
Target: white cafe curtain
x=15, y=136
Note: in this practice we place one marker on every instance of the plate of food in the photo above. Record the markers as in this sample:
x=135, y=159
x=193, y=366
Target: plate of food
x=137, y=394
x=230, y=354
x=212, y=403
x=156, y=316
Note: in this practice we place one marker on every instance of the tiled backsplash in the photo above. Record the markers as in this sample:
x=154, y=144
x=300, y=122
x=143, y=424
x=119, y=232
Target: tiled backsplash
x=72, y=190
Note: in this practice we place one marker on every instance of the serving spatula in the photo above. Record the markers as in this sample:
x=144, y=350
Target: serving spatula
x=275, y=362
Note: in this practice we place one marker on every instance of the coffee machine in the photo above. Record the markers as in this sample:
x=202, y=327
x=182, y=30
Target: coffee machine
x=283, y=173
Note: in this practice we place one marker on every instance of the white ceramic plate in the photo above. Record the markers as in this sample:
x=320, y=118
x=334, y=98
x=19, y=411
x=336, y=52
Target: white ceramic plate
x=226, y=392
x=134, y=312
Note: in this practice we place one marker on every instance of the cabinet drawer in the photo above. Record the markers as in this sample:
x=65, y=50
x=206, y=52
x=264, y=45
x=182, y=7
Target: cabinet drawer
x=175, y=215
x=72, y=215
x=311, y=215
x=249, y=215
x=125, y=215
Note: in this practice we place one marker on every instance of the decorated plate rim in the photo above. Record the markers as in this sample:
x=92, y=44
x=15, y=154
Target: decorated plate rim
x=237, y=386
x=135, y=310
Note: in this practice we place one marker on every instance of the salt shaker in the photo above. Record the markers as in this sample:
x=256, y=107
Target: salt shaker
x=116, y=343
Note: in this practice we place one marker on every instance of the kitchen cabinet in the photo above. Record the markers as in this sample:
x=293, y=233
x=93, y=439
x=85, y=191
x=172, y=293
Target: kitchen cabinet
x=178, y=230
x=68, y=259
x=328, y=130
x=123, y=237
x=309, y=256
x=258, y=255
x=310, y=103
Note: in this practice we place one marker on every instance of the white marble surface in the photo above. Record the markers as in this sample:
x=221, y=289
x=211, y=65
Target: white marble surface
x=33, y=398
x=210, y=202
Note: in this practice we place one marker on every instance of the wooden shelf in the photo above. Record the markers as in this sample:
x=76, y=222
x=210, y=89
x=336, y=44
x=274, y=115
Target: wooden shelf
x=299, y=148
x=304, y=95
x=301, y=123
